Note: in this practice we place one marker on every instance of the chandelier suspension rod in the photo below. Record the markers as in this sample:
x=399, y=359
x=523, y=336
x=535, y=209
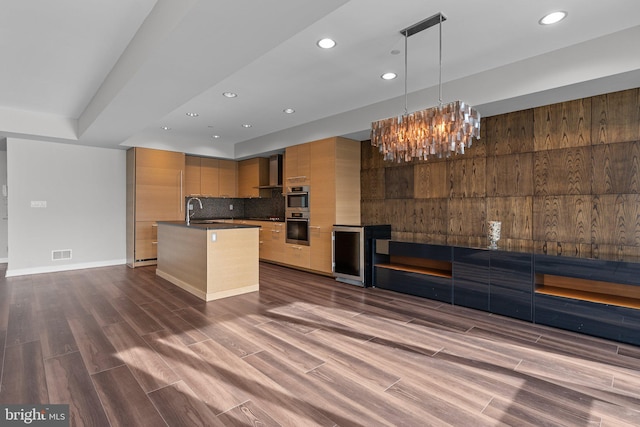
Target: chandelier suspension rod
x=406, y=53
x=440, y=63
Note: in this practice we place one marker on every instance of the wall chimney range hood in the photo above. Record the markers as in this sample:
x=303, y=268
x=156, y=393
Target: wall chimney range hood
x=275, y=172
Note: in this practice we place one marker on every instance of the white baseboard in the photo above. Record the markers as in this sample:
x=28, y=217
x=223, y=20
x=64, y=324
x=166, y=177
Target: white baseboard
x=67, y=267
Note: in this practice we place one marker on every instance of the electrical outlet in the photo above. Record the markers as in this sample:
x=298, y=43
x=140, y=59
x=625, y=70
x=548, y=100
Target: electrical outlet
x=38, y=203
x=230, y=207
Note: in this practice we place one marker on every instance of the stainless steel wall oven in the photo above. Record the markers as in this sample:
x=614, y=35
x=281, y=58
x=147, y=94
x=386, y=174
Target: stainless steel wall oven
x=297, y=225
x=298, y=198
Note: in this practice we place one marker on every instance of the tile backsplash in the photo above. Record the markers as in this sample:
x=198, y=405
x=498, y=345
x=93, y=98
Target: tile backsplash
x=217, y=207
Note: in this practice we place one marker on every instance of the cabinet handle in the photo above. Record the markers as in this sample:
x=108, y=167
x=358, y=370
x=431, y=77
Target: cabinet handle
x=154, y=243
x=315, y=226
x=181, y=197
x=154, y=225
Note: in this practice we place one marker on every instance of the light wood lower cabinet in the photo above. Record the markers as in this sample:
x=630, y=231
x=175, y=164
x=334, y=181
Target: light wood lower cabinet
x=320, y=249
x=146, y=241
x=272, y=248
x=297, y=255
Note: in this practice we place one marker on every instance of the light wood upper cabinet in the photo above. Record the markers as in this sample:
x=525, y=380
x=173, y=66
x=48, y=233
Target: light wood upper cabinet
x=159, y=177
x=322, y=193
x=297, y=164
x=253, y=173
x=192, y=174
x=334, y=197
x=228, y=178
x=209, y=177
x=155, y=180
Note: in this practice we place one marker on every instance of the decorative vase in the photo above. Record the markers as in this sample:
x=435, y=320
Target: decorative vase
x=493, y=233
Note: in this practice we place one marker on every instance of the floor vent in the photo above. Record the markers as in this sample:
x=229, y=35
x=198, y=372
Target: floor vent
x=61, y=254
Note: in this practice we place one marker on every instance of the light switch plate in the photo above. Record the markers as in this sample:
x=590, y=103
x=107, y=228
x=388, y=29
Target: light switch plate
x=38, y=203
x=214, y=237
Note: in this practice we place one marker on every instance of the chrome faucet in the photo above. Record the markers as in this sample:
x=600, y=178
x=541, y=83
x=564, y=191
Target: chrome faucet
x=188, y=216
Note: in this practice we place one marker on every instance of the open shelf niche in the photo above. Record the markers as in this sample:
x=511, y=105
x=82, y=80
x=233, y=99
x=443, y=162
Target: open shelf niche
x=589, y=290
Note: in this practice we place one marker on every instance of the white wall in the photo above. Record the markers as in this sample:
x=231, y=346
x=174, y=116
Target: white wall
x=85, y=192
x=4, y=238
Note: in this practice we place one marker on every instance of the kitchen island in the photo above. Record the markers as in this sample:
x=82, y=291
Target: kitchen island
x=211, y=260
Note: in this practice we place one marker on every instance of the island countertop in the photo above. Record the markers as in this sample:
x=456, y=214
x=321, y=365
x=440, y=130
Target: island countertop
x=209, y=225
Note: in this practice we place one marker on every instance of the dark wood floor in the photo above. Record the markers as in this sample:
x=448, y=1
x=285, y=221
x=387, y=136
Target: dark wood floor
x=126, y=348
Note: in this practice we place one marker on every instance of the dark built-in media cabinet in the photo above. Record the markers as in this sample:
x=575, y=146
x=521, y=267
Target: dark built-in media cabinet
x=597, y=297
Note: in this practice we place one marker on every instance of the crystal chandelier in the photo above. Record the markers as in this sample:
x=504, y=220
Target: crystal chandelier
x=436, y=131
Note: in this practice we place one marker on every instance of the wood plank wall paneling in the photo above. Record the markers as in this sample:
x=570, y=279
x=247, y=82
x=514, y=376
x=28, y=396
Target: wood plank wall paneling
x=562, y=178
x=468, y=177
x=562, y=218
x=616, y=168
x=616, y=219
x=563, y=125
x=509, y=133
x=616, y=117
x=563, y=171
x=515, y=213
x=399, y=182
x=431, y=180
x=375, y=188
x=510, y=175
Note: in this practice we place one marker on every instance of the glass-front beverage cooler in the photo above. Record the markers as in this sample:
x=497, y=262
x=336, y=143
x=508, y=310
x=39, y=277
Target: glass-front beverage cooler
x=353, y=253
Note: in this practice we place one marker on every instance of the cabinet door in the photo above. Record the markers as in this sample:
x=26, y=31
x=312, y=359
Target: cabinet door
x=159, y=180
x=322, y=193
x=347, y=176
x=192, y=175
x=252, y=173
x=297, y=255
x=277, y=242
x=471, y=278
x=209, y=177
x=320, y=250
x=512, y=284
x=228, y=175
x=146, y=240
x=297, y=164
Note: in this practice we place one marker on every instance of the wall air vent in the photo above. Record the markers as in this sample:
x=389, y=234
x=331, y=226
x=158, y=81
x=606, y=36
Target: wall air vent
x=60, y=254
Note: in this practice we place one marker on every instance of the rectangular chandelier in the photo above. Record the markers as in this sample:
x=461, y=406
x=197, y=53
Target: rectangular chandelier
x=434, y=132
x=437, y=131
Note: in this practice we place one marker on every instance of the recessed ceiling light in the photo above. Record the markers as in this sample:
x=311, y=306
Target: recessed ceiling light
x=388, y=76
x=246, y=125
x=552, y=18
x=229, y=94
x=326, y=43
x=165, y=128
x=193, y=114
x=289, y=110
x=215, y=136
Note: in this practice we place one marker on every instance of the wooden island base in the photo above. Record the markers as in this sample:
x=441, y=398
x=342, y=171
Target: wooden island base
x=211, y=261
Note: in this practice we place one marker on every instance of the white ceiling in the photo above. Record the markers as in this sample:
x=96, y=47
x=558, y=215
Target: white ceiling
x=111, y=73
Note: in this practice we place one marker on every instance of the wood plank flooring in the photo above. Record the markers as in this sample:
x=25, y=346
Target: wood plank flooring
x=126, y=348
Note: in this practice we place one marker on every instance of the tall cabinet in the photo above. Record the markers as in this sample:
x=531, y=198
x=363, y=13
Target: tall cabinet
x=155, y=180
x=333, y=174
